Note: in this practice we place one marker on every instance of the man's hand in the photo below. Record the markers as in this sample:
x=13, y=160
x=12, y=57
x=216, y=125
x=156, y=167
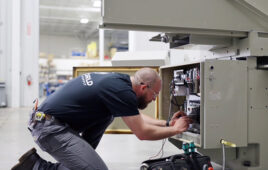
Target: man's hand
x=175, y=117
x=182, y=124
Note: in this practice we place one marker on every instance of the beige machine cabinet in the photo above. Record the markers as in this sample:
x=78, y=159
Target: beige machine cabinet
x=231, y=18
x=223, y=102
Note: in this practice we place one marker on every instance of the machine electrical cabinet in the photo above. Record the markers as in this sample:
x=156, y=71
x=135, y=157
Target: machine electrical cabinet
x=215, y=93
x=227, y=100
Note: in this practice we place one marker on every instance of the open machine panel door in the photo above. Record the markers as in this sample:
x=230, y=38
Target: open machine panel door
x=214, y=94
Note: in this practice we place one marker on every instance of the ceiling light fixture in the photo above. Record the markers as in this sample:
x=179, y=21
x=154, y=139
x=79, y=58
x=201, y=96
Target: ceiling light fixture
x=97, y=4
x=83, y=20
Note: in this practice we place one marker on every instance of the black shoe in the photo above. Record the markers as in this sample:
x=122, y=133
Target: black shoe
x=27, y=160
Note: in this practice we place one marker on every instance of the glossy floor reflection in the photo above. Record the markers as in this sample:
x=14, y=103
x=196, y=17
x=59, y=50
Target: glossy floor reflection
x=118, y=151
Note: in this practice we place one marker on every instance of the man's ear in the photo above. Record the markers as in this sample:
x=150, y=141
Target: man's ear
x=143, y=87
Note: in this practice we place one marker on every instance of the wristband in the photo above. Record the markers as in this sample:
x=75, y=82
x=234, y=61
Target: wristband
x=167, y=123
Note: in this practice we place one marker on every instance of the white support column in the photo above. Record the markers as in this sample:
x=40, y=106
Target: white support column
x=2, y=41
x=21, y=50
x=29, y=51
x=101, y=46
x=131, y=41
x=13, y=50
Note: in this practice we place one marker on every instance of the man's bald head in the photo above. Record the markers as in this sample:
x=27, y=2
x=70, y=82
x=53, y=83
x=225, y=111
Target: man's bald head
x=147, y=76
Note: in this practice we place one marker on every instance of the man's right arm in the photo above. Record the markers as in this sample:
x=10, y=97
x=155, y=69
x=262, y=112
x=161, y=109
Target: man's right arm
x=145, y=131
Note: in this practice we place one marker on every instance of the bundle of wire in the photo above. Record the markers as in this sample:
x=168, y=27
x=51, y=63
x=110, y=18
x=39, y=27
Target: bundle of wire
x=173, y=101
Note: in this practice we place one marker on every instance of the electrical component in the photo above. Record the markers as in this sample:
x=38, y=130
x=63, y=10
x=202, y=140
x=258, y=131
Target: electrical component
x=186, y=83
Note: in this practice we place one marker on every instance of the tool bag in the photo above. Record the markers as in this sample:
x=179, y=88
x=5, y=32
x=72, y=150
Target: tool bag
x=191, y=161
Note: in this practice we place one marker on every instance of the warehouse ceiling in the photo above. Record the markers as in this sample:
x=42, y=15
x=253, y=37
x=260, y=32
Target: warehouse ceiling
x=62, y=17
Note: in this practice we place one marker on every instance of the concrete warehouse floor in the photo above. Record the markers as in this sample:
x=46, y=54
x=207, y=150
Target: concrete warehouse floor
x=118, y=151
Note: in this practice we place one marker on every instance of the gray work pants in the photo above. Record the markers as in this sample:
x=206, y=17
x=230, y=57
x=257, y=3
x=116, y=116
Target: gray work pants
x=66, y=146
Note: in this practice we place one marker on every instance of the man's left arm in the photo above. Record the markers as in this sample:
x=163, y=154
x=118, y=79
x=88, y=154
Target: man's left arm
x=152, y=121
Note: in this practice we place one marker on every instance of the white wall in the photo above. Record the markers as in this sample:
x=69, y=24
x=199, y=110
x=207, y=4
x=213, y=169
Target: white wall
x=65, y=66
x=62, y=46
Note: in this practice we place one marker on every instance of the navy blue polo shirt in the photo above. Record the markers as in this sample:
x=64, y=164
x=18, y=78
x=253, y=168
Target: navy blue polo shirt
x=91, y=98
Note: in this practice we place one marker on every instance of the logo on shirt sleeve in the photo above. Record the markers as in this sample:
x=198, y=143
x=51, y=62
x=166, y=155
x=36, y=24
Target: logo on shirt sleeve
x=86, y=79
